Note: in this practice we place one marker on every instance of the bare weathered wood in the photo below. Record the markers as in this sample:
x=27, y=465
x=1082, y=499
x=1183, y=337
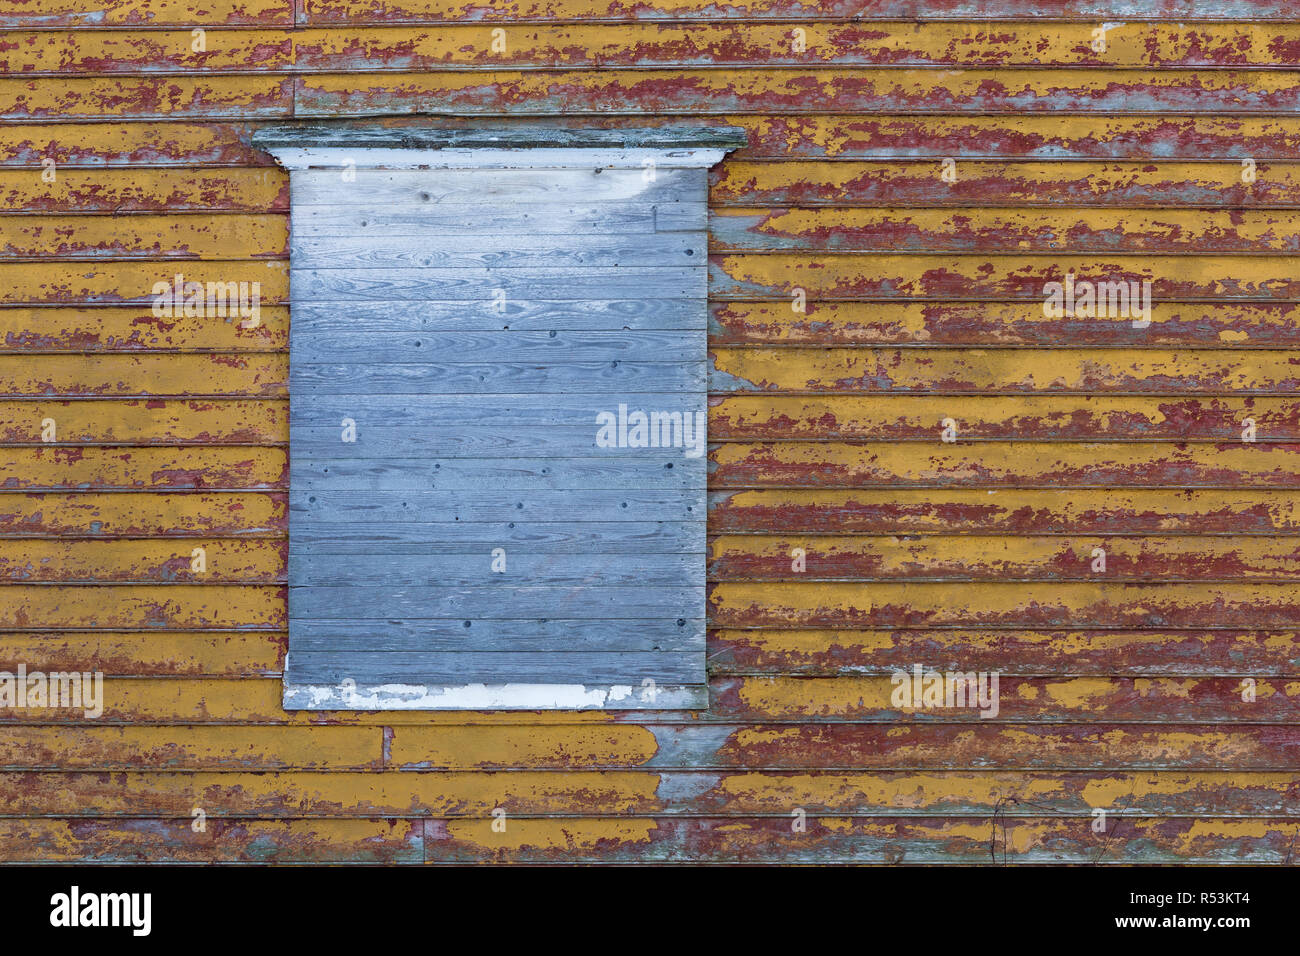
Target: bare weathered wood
x=387, y=536
x=502, y=251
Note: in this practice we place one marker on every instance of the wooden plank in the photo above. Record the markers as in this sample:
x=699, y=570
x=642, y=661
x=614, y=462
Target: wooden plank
x=611, y=665
x=114, y=283
x=665, y=249
x=241, y=841
x=349, y=637
x=196, y=654
x=497, y=446
x=137, y=329
x=145, y=189
x=86, y=514
x=180, y=606
x=466, y=570
x=527, y=219
x=63, y=99
x=551, y=348
x=1154, y=653
x=778, y=90
x=221, y=237
x=142, y=468
x=856, y=840
x=992, y=230
x=158, y=374
x=1003, y=558
x=1000, y=324
x=1229, y=465
x=699, y=43
x=194, y=746
x=148, y=561
x=129, y=144
x=556, y=537
x=526, y=314
x=1028, y=136
x=91, y=51
x=335, y=474
x=919, y=184
x=446, y=378
x=307, y=794
x=845, y=276
x=1006, y=511
x=705, y=42
x=964, y=371
x=505, y=601
x=198, y=747
x=828, y=839
x=1098, y=603
x=317, y=190
x=900, y=418
x=520, y=409
x=317, y=510
x=564, y=691
x=487, y=285
x=139, y=422
x=1122, y=699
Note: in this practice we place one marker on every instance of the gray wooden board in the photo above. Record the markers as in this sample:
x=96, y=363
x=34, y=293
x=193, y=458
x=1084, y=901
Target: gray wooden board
x=352, y=636
x=495, y=187
x=503, y=602
x=472, y=325
x=552, y=347
x=486, y=441
x=466, y=315
x=465, y=569
x=457, y=251
x=657, y=282
x=317, y=508
x=434, y=219
x=448, y=378
x=332, y=472
x=431, y=537
x=519, y=408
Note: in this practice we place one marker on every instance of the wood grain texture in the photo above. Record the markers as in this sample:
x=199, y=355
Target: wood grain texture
x=1169, y=155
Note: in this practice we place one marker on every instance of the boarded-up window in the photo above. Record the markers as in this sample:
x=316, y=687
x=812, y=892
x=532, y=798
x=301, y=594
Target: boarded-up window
x=497, y=439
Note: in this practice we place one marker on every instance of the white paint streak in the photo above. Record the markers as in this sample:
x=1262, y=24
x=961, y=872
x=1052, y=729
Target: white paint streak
x=480, y=697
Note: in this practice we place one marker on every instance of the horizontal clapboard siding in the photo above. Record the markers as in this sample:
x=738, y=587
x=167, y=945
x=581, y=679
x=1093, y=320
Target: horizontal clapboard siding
x=923, y=303
x=450, y=530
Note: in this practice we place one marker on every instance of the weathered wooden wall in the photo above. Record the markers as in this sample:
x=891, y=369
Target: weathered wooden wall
x=1119, y=691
